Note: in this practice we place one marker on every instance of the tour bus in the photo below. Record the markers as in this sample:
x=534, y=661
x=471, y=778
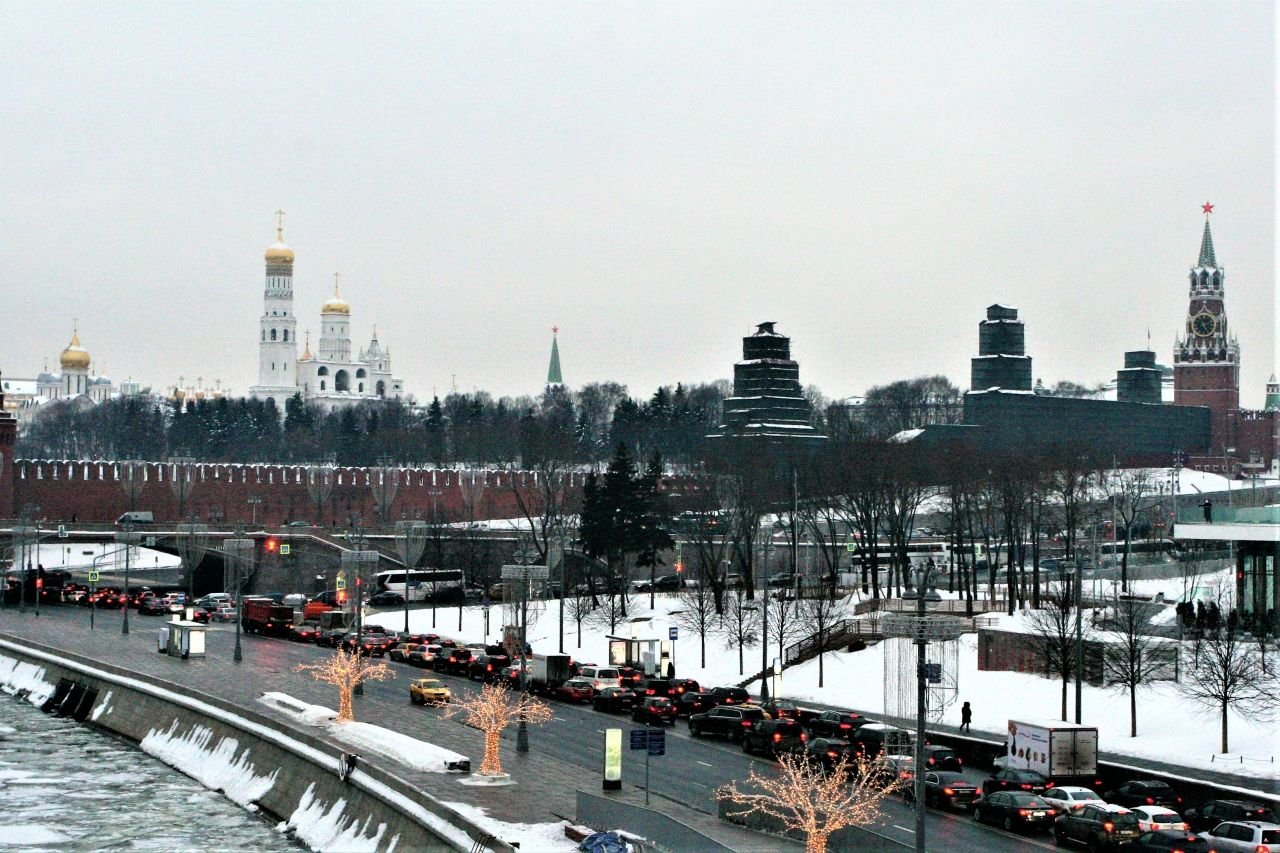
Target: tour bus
x=439, y=585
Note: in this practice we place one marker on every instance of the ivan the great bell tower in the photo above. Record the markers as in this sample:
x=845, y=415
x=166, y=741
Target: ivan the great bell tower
x=1206, y=357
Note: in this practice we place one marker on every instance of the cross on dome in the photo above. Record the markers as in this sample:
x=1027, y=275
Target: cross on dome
x=280, y=224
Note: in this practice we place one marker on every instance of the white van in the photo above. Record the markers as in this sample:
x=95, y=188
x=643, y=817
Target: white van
x=601, y=676
x=136, y=517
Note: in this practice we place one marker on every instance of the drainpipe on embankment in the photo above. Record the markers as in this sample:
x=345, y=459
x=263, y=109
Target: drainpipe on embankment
x=254, y=760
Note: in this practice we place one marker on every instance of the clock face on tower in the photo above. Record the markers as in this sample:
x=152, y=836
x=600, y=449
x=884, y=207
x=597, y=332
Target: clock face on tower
x=1204, y=324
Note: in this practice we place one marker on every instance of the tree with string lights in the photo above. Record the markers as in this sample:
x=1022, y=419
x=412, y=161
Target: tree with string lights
x=805, y=798
x=492, y=710
x=345, y=670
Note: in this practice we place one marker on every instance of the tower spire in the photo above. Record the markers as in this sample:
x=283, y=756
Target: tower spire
x=280, y=225
x=1207, y=258
x=553, y=369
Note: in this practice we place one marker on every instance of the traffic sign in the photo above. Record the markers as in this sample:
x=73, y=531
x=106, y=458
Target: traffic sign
x=674, y=633
x=94, y=576
x=341, y=582
x=150, y=542
x=519, y=573
x=639, y=738
x=62, y=531
x=933, y=673
x=657, y=742
x=285, y=549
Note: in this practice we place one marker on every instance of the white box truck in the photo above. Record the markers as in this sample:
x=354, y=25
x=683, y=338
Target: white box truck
x=1063, y=752
x=547, y=672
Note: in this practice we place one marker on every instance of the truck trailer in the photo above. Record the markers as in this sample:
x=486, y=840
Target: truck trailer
x=547, y=672
x=264, y=616
x=1063, y=752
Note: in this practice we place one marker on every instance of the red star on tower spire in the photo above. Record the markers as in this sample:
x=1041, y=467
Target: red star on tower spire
x=1207, y=208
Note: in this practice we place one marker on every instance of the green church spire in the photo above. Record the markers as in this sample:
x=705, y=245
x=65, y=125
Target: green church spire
x=1207, y=258
x=553, y=370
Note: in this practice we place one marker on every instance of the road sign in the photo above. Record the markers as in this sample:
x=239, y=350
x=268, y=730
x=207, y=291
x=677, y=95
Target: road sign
x=62, y=531
x=94, y=576
x=674, y=633
x=639, y=738
x=150, y=542
x=657, y=742
x=933, y=673
x=519, y=573
x=285, y=549
x=341, y=582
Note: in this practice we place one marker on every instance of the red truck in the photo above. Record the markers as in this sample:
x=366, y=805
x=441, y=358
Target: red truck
x=264, y=616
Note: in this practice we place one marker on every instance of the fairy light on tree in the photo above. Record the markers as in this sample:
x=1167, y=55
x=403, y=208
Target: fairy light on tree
x=492, y=710
x=345, y=670
x=805, y=798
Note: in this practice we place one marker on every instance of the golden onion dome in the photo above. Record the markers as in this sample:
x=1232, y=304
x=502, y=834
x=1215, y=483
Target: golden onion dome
x=75, y=356
x=278, y=251
x=336, y=304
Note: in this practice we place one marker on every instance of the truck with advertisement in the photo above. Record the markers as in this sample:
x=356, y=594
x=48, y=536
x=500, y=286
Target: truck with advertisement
x=1066, y=753
x=265, y=616
x=547, y=672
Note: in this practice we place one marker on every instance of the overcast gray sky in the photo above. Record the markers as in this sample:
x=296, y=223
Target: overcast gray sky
x=653, y=178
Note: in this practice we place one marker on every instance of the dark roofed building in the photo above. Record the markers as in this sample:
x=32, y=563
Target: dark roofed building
x=768, y=403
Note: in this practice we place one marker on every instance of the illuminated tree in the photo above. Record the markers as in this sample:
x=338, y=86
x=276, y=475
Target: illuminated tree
x=492, y=710
x=345, y=670
x=808, y=799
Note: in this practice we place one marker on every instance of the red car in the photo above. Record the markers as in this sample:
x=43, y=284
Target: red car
x=656, y=710
x=575, y=690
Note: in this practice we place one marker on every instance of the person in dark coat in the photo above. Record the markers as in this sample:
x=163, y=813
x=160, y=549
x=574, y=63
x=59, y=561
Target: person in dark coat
x=966, y=717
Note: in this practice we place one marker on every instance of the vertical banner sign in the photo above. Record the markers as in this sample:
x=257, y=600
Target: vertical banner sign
x=612, y=759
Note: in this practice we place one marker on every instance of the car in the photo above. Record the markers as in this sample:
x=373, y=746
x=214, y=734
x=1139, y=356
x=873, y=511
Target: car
x=872, y=739
x=487, y=667
x=1213, y=812
x=662, y=583
x=1170, y=841
x=948, y=789
x=729, y=695
x=429, y=691
x=400, y=651
x=455, y=661
x=688, y=704
x=1144, y=792
x=614, y=700
x=681, y=686
x=306, y=631
x=1158, y=818
x=1098, y=826
x=152, y=606
x=942, y=758
x=778, y=709
x=575, y=690
x=1067, y=798
x=774, y=738
x=386, y=598
x=1243, y=836
x=369, y=645
x=654, y=687
x=601, y=676
x=422, y=654
x=201, y=614
x=655, y=710
x=224, y=613
x=727, y=721
x=782, y=579
x=1015, y=780
x=630, y=676
x=299, y=524
x=1014, y=810
x=885, y=768
x=828, y=752
x=331, y=639
x=214, y=599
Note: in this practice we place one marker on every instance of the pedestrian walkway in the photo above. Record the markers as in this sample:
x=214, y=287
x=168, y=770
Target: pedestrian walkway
x=546, y=786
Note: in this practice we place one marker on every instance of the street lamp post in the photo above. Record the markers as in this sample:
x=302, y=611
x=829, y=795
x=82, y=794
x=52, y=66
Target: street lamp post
x=522, y=571
x=127, y=537
x=254, y=502
x=767, y=550
x=236, y=549
x=439, y=556
x=921, y=628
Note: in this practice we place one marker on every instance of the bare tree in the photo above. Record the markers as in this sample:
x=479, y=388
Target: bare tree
x=1131, y=659
x=740, y=622
x=1132, y=492
x=697, y=612
x=785, y=624
x=1052, y=634
x=819, y=611
x=806, y=799
x=1227, y=675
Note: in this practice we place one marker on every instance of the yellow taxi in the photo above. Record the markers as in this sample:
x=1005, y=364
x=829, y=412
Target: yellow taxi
x=429, y=691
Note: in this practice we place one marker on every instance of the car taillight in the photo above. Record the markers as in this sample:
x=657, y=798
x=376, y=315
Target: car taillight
x=729, y=700
x=1262, y=848
x=488, y=668
x=846, y=725
x=649, y=692
x=803, y=737
x=1151, y=801
x=832, y=754
x=1108, y=826
x=959, y=760
x=746, y=723
x=1023, y=812
x=949, y=791
x=777, y=737
x=1025, y=786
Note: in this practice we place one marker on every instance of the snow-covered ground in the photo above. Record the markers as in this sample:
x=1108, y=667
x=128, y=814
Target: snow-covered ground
x=1170, y=728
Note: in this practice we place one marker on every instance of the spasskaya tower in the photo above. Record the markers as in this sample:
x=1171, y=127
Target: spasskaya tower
x=1206, y=357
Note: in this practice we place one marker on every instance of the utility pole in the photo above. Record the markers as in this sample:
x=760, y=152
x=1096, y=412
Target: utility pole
x=522, y=572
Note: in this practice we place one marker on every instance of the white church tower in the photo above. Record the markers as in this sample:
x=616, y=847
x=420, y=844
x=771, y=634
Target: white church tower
x=278, y=332
x=335, y=328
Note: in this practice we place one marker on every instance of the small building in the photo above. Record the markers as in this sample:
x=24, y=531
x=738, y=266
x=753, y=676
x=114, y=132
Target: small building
x=1254, y=534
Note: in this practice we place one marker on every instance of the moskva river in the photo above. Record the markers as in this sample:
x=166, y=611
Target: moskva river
x=65, y=786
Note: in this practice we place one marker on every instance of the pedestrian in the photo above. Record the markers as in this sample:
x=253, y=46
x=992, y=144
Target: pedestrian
x=966, y=717
x=1207, y=506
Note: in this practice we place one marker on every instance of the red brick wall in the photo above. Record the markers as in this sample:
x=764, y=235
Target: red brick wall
x=93, y=492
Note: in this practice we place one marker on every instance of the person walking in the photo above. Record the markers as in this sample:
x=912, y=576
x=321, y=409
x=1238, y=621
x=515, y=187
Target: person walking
x=966, y=717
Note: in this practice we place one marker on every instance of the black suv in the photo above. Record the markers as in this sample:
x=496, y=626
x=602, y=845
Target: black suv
x=784, y=708
x=689, y=704
x=873, y=739
x=729, y=695
x=456, y=661
x=1028, y=781
x=774, y=737
x=726, y=720
x=942, y=758
x=840, y=724
x=1213, y=812
x=487, y=668
x=1144, y=793
x=655, y=710
x=654, y=687
x=1098, y=826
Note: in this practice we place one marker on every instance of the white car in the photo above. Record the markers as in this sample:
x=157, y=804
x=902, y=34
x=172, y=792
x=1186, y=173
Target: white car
x=1246, y=836
x=1155, y=818
x=1068, y=798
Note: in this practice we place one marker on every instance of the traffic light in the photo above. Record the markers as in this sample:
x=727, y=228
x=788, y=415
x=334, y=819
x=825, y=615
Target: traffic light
x=679, y=567
x=271, y=545
x=342, y=596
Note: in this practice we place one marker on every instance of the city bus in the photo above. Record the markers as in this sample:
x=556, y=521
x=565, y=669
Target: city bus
x=439, y=585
